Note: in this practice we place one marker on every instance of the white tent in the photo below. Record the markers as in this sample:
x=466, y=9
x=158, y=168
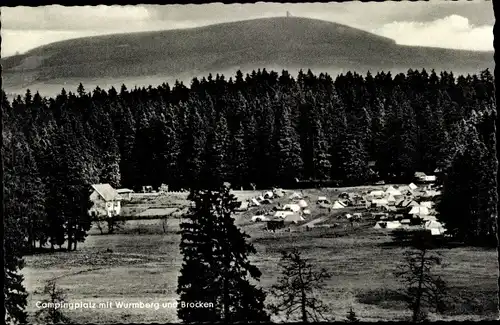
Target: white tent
x=260, y=198
x=413, y=187
x=306, y=212
x=378, y=194
x=282, y=214
x=435, y=227
x=392, y=191
x=295, y=195
x=244, y=206
x=303, y=204
x=405, y=221
x=427, y=204
x=338, y=205
x=393, y=224
x=429, y=218
x=292, y=207
x=419, y=210
x=268, y=195
x=391, y=199
x=322, y=198
x=255, y=202
x=412, y=204
x=348, y=216
x=279, y=192
x=380, y=225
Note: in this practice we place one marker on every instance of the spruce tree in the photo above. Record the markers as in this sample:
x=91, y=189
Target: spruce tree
x=321, y=156
x=193, y=146
x=239, y=160
x=288, y=151
x=217, y=162
x=15, y=296
x=216, y=269
x=353, y=161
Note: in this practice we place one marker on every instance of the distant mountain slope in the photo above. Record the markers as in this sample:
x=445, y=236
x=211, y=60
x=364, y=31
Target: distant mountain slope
x=290, y=43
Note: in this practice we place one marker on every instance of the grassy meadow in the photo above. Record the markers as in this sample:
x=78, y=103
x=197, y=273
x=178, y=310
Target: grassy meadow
x=141, y=263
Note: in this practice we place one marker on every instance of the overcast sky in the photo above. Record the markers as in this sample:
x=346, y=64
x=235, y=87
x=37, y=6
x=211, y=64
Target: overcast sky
x=463, y=25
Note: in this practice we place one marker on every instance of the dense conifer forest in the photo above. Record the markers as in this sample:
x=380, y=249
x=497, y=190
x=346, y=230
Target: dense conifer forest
x=264, y=128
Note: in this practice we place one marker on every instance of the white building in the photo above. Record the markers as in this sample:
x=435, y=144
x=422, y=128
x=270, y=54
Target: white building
x=107, y=201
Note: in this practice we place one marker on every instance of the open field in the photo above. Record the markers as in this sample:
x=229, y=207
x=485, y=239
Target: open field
x=144, y=265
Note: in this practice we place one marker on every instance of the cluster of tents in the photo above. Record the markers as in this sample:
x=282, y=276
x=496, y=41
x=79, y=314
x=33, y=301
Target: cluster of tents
x=395, y=206
x=292, y=212
x=411, y=206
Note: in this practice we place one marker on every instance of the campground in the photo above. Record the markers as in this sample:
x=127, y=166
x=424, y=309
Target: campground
x=141, y=262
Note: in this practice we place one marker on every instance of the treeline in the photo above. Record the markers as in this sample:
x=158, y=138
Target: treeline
x=265, y=128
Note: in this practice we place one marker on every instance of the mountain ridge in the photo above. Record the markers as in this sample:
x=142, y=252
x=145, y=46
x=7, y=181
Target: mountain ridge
x=290, y=43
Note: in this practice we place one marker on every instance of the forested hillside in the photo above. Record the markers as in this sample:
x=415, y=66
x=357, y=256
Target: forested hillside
x=276, y=43
x=264, y=128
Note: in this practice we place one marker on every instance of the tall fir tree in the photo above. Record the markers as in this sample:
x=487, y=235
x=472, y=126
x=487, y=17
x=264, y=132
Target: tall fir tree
x=15, y=295
x=216, y=269
x=288, y=151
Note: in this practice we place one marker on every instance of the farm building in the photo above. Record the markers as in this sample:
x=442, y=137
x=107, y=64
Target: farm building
x=419, y=176
x=125, y=193
x=106, y=201
x=429, y=178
